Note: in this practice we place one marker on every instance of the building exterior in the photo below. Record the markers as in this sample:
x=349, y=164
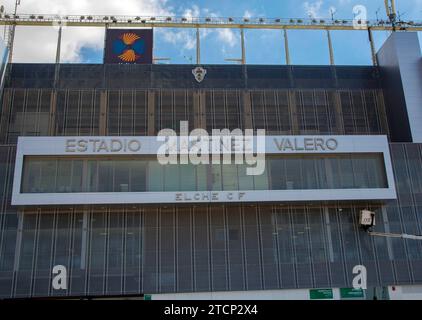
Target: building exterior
x=81, y=186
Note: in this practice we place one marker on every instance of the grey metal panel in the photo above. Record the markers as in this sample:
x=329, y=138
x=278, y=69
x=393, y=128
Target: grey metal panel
x=258, y=248
x=416, y=270
x=402, y=272
x=401, y=62
x=337, y=273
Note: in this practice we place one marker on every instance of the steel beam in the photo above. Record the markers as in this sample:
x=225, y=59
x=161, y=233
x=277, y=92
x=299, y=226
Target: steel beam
x=180, y=22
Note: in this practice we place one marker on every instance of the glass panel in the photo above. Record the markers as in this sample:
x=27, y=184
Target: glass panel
x=171, y=177
x=121, y=176
x=48, y=175
x=137, y=175
x=261, y=182
x=64, y=176
x=216, y=177
x=155, y=176
x=278, y=174
x=346, y=170
x=202, y=177
x=187, y=177
x=105, y=175
x=288, y=172
x=309, y=173
x=245, y=181
x=293, y=173
x=92, y=176
x=230, y=180
x=77, y=174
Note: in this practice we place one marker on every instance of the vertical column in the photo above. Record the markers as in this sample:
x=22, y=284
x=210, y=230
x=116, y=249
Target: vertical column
x=105, y=40
x=103, y=113
x=247, y=110
x=197, y=109
x=59, y=45
x=58, y=51
x=153, y=48
x=387, y=230
x=4, y=123
x=339, y=113
x=373, y=50
x=12, y=31
x=11, y=41
x=382, y=112
x=84, y=241
x=18, y=241
x=202, y=108
x=53, y=99
x=52, y=116
x=330, y=48
x=329, y=234
x=198, y=47
x=242, y=42
x=151, y=113
x=286, y=47
x=293, y=111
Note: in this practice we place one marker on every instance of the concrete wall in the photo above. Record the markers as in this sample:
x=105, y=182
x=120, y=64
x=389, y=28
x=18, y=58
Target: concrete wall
x=405, y=292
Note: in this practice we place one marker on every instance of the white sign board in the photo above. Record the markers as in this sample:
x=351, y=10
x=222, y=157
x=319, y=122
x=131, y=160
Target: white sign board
x=97, y=146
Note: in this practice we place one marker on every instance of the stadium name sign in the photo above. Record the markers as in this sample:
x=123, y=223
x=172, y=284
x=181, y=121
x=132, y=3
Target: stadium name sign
x=209, y=196
x=306, y=144
x=102, y=145
x=251, y=151
x=117, y=145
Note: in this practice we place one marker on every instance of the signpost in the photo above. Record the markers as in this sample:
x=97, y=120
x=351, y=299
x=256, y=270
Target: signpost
x=350, y=293
x=321, y=294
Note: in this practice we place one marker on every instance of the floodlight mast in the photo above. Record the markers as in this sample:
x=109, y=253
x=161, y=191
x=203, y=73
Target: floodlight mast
x=12, y=30
x=390, y=8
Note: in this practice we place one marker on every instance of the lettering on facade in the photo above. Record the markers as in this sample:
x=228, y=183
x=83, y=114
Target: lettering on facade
x=102, y=145
x=209, y=196
x=306, y=144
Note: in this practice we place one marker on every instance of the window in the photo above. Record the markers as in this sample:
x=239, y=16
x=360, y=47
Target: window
x=145, y=174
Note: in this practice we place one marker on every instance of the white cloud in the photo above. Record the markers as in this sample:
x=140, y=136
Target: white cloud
x=193, y=12
x=313, y=10
x=184, y=37
x=227, y=37
x=316, y=10
x=248, y=14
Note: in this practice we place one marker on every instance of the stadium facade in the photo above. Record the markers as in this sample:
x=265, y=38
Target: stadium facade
x=81, y=185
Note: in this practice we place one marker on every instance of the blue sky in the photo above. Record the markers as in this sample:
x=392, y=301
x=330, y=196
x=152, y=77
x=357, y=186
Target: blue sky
x=262, y=46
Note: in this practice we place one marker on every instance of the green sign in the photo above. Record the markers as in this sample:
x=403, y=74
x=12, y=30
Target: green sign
x=147, y=297
x=350, y=293
x=317, y=294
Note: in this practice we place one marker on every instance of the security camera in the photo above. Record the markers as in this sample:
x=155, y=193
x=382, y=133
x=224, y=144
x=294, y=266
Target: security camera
x=367, y=219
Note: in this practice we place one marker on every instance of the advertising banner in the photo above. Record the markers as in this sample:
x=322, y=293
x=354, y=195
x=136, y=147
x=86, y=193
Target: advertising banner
x=128, y=46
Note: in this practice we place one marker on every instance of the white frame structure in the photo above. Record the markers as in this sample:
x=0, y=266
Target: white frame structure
x=59, y=146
